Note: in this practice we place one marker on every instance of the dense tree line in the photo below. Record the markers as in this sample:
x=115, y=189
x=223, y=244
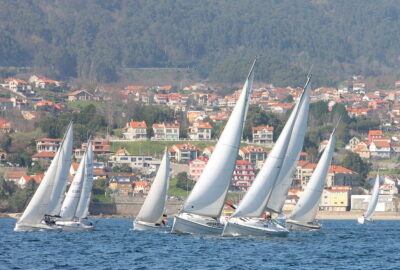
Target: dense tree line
x=96, y=39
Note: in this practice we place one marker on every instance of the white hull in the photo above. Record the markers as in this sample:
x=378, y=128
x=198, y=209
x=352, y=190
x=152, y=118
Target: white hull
x=297, y=226
x=193, y=224
x=362, y=220
x=253, y=227
x=144, y=226
x=74, y=226
x=35, y=228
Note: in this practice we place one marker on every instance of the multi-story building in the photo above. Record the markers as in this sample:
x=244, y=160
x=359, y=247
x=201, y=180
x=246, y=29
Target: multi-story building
x=166, y=131
x=196, y=167
x=336, y=198
x=47, y=145
x=200, y=131
x=123, y=184
x=122, y=157
x=100, y=147
x=135, y=130
x=184, y=152
x=17, y=85
x=254, y=154
x=263, y=135
x=243, y=175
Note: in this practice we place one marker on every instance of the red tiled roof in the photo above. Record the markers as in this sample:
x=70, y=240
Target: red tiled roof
x=48, y=140
x=375, y=133
x=263, y=127
x=44, y=155
x=15, y=79
x=78, y=92
x=340, y=169
x=135, y=124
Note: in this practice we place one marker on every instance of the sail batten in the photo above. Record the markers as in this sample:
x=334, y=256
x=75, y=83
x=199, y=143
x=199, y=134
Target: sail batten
x=208, y=195
x=307, y=206
x=153, y=207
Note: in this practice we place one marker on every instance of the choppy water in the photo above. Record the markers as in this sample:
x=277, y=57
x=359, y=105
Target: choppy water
x=340, y=245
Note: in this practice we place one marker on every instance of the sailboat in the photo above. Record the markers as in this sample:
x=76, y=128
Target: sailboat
x=305, y=211
x=151, y=213
x=202, y=209
x=272, y=178
x=75, y=207
x=372, y=203
x=46, y=202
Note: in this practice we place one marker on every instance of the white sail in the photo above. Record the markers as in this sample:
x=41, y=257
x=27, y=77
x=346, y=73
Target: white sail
x=255, y=199
x=71, y=201
x=307, y=207
x=39, y=203
x=153, y=207
x=284, y=180
x=208, y=195
x=62, y=171
x=82, y=210
x=374, y=199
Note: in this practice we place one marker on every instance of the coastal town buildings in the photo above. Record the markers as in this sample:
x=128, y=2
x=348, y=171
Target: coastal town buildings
x=166, y=131
x=135, y=130
x=263, y=135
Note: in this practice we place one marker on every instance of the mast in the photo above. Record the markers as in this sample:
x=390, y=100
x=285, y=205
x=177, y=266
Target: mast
x=208, y=195
x=256, y=198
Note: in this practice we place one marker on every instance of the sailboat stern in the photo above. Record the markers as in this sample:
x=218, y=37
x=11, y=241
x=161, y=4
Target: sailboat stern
x=298, y=226
x=253, y=227
x=185, y=223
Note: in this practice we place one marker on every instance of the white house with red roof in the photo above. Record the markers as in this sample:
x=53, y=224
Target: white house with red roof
x=166, y=131
x=380, y=149
x=184, y=152
x=254, y=154
x=16, y=85
x=23, y=181
x=200, y=131
x=135, y=130
x=42, y=82
x=263, y=135
x=122, y=156
x=47, y=145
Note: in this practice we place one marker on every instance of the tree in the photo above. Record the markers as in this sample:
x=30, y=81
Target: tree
x=354, y=162
x=183, y=181
x=258, y=117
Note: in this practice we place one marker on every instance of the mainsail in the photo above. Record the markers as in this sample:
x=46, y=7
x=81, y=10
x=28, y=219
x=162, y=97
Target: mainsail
x=256, y=198
x=284, y=180
x=71, y=201
x=307, y=207
x=153, y=207
x=208, y=195
x=45, y=198
x=82, y=210
x=374, y=199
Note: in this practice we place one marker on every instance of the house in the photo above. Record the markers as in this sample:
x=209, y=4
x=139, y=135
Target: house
x=42, y=82
x=134, y=161
x=14, y=175
x=17, y=85
x=43, y=156
x=141, y=187
x=135, y=130
x=362, y=150
x=5, y=126
x=243, y=175
x=374, y=134
x=254, y=154
x=263, y=135
x=208, y=151
x=353, y=143
x=166, y=131
x=196, y=167
x=200, y=131
x=184, y=152
x=49, y=106
x=47, y=145
x=123, y=184
x=100, y=147
x=6, y=104
x=380, y=149
x=26, y=178
x=337, y=198
x=80, y=95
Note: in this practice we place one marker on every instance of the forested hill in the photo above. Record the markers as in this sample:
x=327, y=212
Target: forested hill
x=96, y=39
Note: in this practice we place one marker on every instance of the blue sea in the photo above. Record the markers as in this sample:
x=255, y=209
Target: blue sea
x=340, y=245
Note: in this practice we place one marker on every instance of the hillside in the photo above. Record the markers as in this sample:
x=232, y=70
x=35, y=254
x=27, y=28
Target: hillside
x=99, y=40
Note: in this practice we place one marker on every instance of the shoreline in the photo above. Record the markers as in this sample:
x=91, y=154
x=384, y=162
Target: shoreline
x=322, y=215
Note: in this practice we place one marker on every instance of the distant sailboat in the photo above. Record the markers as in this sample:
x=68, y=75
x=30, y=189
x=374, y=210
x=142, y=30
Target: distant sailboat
x=153, y=208
x=75, y=207
x=303, y=215
x=372, y=203
x=202, y=209
x=246, y=220
x=46, y=202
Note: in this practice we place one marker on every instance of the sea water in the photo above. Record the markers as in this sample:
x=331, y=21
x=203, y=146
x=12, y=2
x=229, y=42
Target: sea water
x=341, y=244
